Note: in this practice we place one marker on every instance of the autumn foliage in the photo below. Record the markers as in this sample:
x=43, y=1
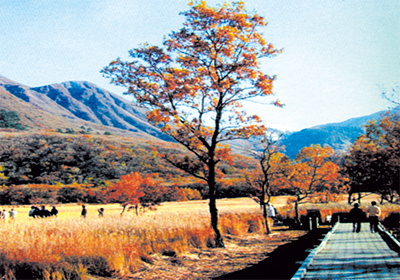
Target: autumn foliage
x=194, y=86
x=372, y=164
x=128, y=190
x=312, y=171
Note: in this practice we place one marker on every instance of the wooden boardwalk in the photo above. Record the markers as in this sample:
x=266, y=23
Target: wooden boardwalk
x=347, y=255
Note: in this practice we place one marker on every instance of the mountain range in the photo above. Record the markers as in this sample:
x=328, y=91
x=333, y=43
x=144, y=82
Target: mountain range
x=337, y=135
x=76, y=104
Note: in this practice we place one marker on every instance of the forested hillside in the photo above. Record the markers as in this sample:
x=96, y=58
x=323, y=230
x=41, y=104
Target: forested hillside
x=95, y=161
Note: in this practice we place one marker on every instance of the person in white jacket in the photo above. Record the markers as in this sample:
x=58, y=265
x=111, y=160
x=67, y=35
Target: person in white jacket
x=373, y=216
x=4, y=215
x=271, y=214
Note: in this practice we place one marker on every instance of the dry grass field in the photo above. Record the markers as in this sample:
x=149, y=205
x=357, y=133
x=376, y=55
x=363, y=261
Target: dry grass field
x=172, y=242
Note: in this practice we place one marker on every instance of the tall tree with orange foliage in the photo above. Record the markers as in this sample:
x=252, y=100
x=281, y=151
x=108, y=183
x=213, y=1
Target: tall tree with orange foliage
x=194, y=86
x=311, y=171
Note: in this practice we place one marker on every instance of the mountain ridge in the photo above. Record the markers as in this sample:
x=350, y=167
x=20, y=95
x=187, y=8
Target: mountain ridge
x=84, y=103
x=338, y=135
x=91, y=103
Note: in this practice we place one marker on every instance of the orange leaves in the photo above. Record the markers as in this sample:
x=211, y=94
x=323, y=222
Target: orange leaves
x=247, y=131
x=224, y=154
x=196, y=85
x=372, y=163
x=157, y=116
x=207, y=69
x=128, y=189
x=278, y=103
x=312, y=170
x=264, y=84
x=315, y=154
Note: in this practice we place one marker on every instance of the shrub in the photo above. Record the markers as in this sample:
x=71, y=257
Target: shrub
x=70, y=194
x=10, y=119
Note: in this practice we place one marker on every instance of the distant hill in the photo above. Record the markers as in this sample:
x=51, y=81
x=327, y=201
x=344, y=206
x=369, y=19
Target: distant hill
x=32, y=117
x=74, y=104
x=337, y=135
x=91, y=103
x=38, y=101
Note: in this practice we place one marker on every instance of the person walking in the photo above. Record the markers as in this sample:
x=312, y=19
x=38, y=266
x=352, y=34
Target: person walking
x=101, y=212
x=84, y=211
x=12, y=214
x=271, y=214
x=4, y=215
x=356, y=216
x=54, y=211
x=373, y=216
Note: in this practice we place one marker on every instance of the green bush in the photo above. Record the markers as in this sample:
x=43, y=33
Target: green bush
x=10, y=119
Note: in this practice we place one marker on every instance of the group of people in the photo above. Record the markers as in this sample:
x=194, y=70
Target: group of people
x=42, y=212
x=357, y=216
x=5, y=215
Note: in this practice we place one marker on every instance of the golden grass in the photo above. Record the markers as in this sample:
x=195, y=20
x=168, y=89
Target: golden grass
x=71, y=247
x=113, y=244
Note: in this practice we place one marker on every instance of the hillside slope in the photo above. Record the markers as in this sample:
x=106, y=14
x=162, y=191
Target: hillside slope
x=39, y=112
x=34, y=118
x=91, y=103
x=337, y=135
x=72, y=105
x=39, y=101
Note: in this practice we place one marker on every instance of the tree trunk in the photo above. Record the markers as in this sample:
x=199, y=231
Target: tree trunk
x=265, y=215
x=349, y=198
x=219, y=241
x=264, y=207
x=296, y=209
x=123, y=209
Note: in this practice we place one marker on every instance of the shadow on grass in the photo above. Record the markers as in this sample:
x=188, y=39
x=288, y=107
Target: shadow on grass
x=284, y=261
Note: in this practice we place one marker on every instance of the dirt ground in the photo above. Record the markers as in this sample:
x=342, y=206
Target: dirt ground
x=240, y=253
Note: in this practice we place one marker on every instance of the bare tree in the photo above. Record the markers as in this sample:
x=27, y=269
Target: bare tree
x=267, y=152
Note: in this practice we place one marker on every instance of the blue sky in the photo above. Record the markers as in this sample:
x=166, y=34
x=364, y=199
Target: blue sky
x=338, y=54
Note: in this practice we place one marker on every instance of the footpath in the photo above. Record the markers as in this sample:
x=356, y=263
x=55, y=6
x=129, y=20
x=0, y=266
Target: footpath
x=344, y=254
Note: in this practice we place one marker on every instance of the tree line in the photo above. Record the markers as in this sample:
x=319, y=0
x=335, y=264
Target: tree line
x=147, y=195
x=51, y=158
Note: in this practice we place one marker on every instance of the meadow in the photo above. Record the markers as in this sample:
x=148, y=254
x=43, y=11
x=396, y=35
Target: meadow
x=71, y=247
x=176, y=237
